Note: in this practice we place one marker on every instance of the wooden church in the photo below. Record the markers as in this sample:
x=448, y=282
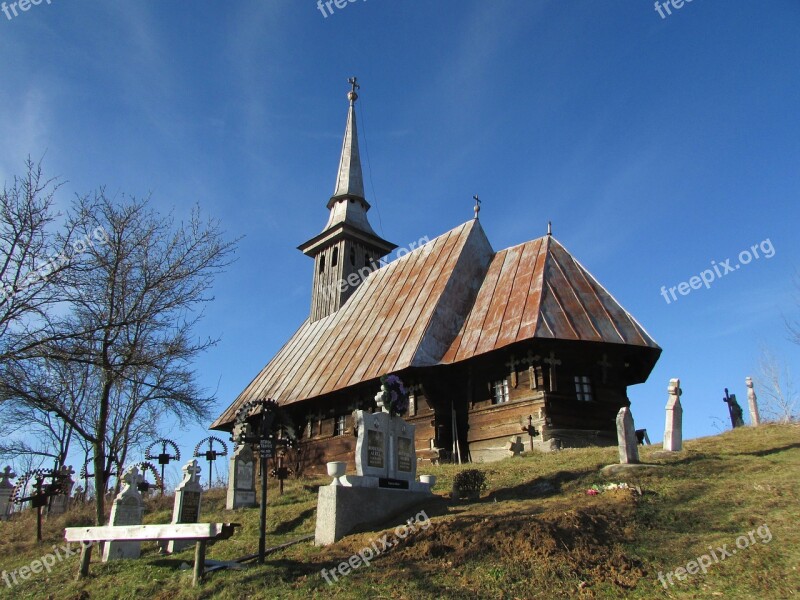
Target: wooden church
x=493, y=344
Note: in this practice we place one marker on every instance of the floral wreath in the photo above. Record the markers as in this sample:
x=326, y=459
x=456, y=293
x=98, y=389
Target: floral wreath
x=395, y=395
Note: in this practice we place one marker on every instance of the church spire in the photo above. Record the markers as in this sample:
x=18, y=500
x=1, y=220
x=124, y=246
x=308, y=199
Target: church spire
x=350, y=181
x=348, y=249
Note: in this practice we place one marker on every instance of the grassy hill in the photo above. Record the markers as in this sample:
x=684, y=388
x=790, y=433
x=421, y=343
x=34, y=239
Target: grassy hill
x=535, y=533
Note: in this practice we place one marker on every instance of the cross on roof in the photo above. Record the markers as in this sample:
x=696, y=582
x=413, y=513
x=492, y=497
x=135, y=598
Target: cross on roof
x=477, y=208
x=352, y=95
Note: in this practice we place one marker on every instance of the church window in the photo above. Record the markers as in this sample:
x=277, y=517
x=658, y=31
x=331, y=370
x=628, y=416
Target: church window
x=335, y=257
x=340, y=425
x=367, y=260
x=500, y=388
x=321, y=263
x=583, y=388
x=353, y=256
x=412, y=404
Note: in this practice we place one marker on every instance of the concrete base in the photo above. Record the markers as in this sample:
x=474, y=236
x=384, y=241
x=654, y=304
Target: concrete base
x=622, y=469
x=342, y=509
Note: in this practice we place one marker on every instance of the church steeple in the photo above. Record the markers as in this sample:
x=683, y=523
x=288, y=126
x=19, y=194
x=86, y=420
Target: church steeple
x=348, y=249
x=350, y=181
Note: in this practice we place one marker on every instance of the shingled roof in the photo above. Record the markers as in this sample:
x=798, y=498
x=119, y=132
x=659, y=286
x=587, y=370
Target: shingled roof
x=450, y=300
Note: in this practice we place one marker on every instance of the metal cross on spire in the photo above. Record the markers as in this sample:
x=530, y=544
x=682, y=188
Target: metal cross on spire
x=352, y=95
x=477, y=208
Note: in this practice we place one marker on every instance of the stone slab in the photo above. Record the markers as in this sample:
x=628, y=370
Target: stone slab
x=342, y=509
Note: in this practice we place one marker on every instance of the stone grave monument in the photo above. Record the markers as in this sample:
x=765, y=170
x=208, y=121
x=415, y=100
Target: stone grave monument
x=241, y=476
x=60, y=502
x=628, y=447
x=755, y=418
x=626, y=437
x=126, y=510
x=6, y=489
x=385, y=482
x=673, y=430
x=187, y=502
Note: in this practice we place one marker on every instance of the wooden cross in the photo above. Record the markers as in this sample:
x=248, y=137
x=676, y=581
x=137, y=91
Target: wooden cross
x=605, y=366
x=512, y=366
x=553, y=362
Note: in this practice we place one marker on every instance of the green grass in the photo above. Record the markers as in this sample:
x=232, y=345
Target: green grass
x=535, y=533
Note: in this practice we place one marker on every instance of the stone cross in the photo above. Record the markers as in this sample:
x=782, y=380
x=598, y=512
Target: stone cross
x=515, y=446
x=191, y=472
x=673, y=430
x=60, y=502
x=512, y=367
x=605, y=365
x=186, y=508
x=553, y=362
x=241, y=479
x=127, y=509
x=755, y=418
x=6, y=488
x=626, y=437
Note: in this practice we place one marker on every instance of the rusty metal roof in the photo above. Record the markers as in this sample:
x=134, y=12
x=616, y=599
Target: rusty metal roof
x=403, y=314
x=445, y=302
x=538, y=290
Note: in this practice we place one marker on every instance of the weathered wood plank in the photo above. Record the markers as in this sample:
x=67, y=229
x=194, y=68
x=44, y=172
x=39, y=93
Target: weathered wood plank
x=143, y=533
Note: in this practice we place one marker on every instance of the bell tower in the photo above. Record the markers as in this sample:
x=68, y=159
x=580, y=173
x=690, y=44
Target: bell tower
x=348, y=249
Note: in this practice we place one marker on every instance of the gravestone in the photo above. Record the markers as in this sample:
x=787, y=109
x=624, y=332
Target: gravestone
x=385, y=449
x=187, y=502
x=60, y=502
x=126, y=510
x=6, y=488
x=755, y=418
x=385, y=482
x=626, y=437
x=515, y=446
x=673, y=430
x=241, y=478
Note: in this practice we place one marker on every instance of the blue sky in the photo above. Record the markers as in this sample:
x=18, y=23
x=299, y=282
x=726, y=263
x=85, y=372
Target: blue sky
x=655, y=145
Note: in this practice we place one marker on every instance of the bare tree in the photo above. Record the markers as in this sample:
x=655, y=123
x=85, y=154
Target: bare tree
x=32, y=260
x=132, y=301
x=777, y=397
